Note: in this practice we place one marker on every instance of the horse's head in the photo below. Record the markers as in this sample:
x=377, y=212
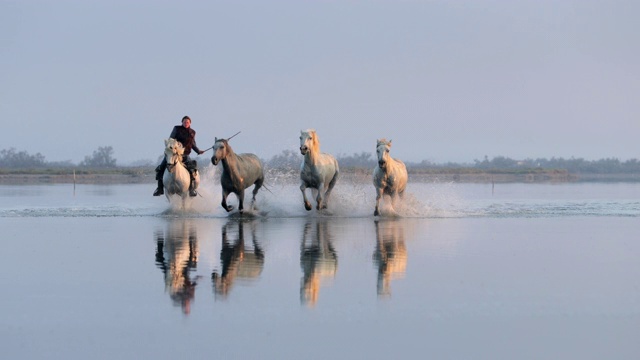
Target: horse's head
x=172, y=148
x=220, y=150
x=382, y=149
x=308, y=141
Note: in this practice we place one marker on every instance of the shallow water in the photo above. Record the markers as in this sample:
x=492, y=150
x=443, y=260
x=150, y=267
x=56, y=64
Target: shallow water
x=459, y=271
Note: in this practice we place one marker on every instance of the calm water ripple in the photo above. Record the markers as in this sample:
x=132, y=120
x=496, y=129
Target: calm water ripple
x=483, y=208
x=109, y=271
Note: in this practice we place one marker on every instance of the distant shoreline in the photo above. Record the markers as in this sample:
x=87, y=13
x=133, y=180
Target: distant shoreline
x=462, y=175
x=32, y=179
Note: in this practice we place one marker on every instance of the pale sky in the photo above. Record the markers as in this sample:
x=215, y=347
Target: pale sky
x=446, y=80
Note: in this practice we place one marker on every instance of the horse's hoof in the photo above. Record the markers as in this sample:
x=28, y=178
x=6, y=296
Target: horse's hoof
x=229, y=208
x=307, y=206
x=376, y=213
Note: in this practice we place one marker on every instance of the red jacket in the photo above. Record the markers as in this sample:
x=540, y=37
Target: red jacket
x=187, y=137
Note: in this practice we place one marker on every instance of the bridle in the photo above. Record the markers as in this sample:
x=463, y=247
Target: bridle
x=171, y=166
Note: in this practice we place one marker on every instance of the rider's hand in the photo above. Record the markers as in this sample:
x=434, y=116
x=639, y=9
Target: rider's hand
x=200, y=152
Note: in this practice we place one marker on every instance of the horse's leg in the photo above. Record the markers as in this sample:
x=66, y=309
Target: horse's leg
x=332, y=183
x=240, y=195
x=393, y=195
x=224, y=201
x=307, y=204
x=401, y=194
x=320, y=197
x=256, y=186
x=376, y=212
x=398, y=197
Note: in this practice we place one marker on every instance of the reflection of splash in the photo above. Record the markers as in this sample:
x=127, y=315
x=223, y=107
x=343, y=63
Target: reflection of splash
x=318, y=259
x=237, y=260
x=390, y=254
x=177, y=256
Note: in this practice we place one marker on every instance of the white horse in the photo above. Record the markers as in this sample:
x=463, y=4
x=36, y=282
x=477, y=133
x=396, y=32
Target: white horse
x=239, y=171
x=176, y=177
x=389, y=176
x=318, y=171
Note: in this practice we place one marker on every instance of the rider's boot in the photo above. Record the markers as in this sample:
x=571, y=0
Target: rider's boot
x=160, y=190
x=192, y=190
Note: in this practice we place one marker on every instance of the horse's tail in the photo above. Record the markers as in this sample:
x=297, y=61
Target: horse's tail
x=266, y=188
x=332, y=183
x=335, y=175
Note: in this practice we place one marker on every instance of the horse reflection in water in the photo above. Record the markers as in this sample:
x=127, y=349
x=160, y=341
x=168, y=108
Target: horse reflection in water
x=390, y=254
x=318, y=259
x=177, y=257
x=237, y=260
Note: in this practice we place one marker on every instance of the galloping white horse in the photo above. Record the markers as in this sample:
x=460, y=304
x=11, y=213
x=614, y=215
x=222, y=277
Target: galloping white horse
x=389, y=176
x=176, y=177
x=318, y=171
x=239, y=171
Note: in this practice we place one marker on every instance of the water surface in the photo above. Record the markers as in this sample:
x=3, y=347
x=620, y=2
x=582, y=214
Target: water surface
x=462, y=271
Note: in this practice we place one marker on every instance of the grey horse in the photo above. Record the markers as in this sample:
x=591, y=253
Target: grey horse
x=239, y=171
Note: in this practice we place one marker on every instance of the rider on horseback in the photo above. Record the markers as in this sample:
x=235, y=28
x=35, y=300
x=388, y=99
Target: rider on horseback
x=187, y=137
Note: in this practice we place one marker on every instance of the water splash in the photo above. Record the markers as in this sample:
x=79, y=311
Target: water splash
x=353, y=197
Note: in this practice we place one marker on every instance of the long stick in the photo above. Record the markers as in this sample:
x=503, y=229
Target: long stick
x=234, y=135
x=227, y=140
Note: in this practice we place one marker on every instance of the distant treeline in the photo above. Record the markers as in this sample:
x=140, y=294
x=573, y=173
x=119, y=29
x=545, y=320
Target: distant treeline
x=290, y=159
x=572, y=165
x=10, y=158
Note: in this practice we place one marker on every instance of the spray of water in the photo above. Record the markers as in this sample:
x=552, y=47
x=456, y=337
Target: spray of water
x=352, y=197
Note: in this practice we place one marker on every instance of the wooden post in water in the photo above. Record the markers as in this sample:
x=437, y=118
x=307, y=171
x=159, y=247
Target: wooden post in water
x=74, y=182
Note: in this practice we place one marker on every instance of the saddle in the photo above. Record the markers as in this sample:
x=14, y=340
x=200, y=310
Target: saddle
x=191, y=165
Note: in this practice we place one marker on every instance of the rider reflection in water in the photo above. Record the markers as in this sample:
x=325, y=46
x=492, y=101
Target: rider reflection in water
x=177, y=256
x=187, y=137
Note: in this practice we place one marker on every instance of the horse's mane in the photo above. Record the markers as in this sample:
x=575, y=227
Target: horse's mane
x=171, y=142
x=227, y=146
x=383, y=141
